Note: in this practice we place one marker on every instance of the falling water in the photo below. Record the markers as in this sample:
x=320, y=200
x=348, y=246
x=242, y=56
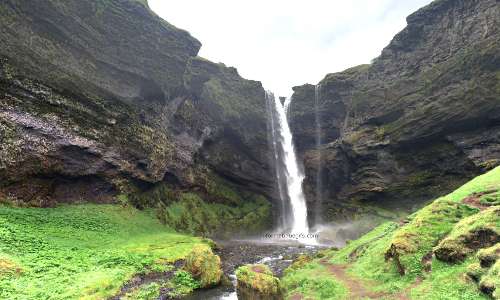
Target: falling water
x=287, y=166
x=276, y=158
x=319, y=182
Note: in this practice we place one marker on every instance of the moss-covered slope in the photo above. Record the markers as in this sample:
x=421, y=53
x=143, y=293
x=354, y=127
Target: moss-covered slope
x=447, y=250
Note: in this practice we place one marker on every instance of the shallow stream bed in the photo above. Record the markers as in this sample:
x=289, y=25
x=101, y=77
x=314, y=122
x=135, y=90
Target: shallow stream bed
x=278, y=255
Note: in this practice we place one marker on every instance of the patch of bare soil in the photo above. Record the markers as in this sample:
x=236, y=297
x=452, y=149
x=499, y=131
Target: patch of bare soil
x=474, y=199
x=360, y=289
x=357, y=289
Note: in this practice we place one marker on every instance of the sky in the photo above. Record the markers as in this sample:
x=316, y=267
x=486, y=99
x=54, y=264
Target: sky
x=285, y=43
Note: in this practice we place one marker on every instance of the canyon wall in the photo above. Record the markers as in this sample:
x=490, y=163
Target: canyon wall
x=420, y=120
x=100, y=98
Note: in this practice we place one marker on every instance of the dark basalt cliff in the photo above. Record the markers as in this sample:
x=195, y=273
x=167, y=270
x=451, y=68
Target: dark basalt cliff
x=99, y=98
x=420, y=120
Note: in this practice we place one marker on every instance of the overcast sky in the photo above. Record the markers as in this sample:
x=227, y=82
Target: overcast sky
x=284, y=43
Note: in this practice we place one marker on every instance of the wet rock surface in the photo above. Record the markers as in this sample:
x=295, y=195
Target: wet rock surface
x=277, y=255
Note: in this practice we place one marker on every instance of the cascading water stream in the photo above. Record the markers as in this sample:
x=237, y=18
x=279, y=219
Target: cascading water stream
x=286, y=163
x=276, y=157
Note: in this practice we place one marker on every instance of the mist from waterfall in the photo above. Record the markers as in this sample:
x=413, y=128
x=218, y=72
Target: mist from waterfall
x=288, y=173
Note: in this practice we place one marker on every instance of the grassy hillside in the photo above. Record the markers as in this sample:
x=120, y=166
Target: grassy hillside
x=85, y=251
x=447, y=250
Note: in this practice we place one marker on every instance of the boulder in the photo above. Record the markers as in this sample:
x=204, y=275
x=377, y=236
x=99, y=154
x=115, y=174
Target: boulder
x=257, y=282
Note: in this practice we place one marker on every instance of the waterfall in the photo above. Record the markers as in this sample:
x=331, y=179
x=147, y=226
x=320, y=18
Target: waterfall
x=319, y=182
x=276, y=158
x=289, y=175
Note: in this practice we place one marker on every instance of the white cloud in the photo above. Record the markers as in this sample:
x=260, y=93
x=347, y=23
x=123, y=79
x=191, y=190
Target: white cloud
x=284, y=43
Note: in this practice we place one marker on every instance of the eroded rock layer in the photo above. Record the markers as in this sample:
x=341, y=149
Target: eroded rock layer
x=420, y=120
x=99, y=98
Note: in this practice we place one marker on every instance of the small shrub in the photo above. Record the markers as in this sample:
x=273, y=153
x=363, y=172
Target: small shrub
x=183, y=278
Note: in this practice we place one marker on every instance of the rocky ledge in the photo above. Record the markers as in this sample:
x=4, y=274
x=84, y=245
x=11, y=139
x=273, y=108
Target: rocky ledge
x=101, y=98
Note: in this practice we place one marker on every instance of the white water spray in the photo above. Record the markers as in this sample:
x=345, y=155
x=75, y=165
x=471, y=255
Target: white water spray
x=293, y=175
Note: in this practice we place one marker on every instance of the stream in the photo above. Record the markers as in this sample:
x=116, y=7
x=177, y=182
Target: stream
x=278, y=255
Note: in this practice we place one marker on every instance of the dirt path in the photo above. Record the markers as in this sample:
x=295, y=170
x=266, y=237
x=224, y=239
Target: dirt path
x=297, y=297
x=357, y=289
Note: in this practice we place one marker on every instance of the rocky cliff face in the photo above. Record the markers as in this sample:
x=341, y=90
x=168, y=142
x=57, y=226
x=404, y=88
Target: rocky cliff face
x=104, y=97
x=420, y=120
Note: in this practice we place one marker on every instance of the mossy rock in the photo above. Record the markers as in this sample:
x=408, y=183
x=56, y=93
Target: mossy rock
x=490, y=282
x=158, y=194
x=486, y=272
x=192, y=214
x=257, y=282
x=204, y=265
x=475, y=271
x=489, y=256
x=481, y=230
x=300, y=262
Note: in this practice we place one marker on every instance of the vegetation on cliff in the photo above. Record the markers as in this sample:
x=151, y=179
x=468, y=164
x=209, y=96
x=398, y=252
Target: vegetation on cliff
x=221, y=210
x=80, y=112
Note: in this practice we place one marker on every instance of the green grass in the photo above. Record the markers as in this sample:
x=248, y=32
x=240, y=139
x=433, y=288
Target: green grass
x=447, y=282
x=481, y=228
x=312, y=281
x=425, y=277
x=182, y=283
x=432, y=223
x=427, y=227
x=81, y=251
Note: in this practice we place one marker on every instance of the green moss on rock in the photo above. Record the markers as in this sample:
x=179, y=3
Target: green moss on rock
x=486, y=272
x=481, y=230
x=490, y=282
x=194, y=215
x=204, y=265
x=475, y=271
x=300, y=262
x=489, y=256
x=257, y=282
